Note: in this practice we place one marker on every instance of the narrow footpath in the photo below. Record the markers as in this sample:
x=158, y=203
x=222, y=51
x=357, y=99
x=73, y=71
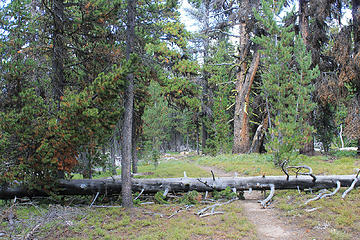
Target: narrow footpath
x=269, y=225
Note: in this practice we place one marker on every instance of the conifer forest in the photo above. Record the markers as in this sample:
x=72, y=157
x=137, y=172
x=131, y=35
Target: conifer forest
x=140, y=107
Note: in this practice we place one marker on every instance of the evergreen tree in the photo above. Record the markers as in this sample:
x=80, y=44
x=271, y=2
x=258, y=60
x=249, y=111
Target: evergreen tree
x=286, y=77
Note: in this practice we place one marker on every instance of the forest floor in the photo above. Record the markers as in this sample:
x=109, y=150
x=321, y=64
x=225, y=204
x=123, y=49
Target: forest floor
x=286, y=218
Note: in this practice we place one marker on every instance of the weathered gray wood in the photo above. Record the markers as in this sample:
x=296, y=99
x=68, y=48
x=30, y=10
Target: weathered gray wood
x=110, y=186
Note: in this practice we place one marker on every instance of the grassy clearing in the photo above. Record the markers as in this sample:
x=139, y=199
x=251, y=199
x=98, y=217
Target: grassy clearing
x=173, y=168
x=167, y=167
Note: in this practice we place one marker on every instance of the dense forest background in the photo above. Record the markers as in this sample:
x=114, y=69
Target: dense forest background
x=84, y=84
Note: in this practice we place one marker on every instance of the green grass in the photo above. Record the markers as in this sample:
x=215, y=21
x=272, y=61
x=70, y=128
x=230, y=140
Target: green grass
x=166, y=169
x=120, y=224
x=173, y=168
x=259, y=164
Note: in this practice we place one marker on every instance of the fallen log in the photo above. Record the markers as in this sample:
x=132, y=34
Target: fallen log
x=113, y=186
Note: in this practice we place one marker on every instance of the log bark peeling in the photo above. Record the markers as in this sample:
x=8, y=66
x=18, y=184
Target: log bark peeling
x=113, y=186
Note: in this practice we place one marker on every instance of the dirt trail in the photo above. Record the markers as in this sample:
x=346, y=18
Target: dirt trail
x=268, y=223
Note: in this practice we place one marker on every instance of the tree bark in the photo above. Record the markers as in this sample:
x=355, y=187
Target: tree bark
x=241, y=118
x=308, y=148
x=128, y=115
x=110, y=186
x=304, y=20
x=205, y=77
x=58, y=55
x=356, y=24
x=259, y=136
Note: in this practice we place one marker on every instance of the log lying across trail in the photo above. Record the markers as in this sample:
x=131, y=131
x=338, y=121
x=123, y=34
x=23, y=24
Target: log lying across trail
x=113, y=186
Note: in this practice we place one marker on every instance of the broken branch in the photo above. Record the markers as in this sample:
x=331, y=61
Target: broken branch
x=268, y=199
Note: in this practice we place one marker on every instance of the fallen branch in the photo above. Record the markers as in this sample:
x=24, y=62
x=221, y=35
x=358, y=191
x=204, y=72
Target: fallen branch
x=268, y=199
x=154, y=214
x=297, y=171
x=312, y=209
x=324, y=194
x=210, y=214
x=338, y=185
x=350, y=188
x=212, y=207
x=180, y=210
x=284, y=170
x=166, y=192
x=213, y=176
x=142, y=190
x=97, y=194
x=321, y=192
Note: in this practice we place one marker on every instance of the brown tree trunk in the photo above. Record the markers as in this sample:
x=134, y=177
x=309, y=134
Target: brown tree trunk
x=308, y=148
x=304, y=20
x=244, y=80
x=356, y=24
x=241, y=118
x=127, y=135
x=205, y=77
x=58, y=55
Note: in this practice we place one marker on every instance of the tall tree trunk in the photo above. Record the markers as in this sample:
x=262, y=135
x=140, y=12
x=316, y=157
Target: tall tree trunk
x=243, y=85
x=205, y=77
x=126, y=193
x=58, y=55
x=308, y=148
x=356, y=24
x=356, y=31
x=58, y=80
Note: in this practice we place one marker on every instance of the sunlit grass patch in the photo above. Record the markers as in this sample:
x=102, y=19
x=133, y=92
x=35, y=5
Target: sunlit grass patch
x=173, y=168
x=262, y=164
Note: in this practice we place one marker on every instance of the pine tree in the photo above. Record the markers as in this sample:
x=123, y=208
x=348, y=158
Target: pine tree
x=286, y=78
